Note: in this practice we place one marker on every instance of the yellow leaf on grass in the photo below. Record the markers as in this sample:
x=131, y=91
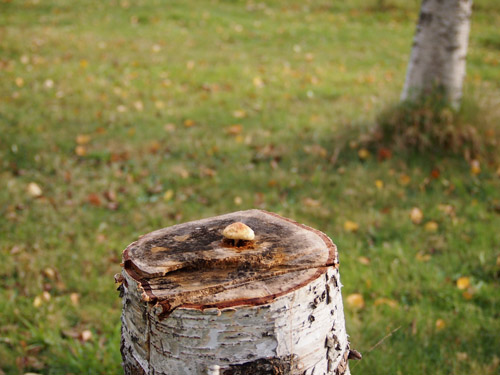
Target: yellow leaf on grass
x=364, y=260
x=239, y=113
x=310, y=202
x=463, y=282
x=431, y=226
x=468, y=294
x=82, y=139
x=168, y=195
x=379, y=184
x=37, y=302
x=363, y=153
x=19, y=82
x=440, y=324
x=189, y=123
x=423, y=257
x=351, y=226
x=258, y=82
x=234, y=129
x=404, y=179
x=355, y=301
x=475, y=167
x=416, y=215
x=80, y=150
x=386, y=301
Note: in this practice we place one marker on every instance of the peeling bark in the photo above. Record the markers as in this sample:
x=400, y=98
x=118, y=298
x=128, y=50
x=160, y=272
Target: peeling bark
x=274, y=307
x=437, y=60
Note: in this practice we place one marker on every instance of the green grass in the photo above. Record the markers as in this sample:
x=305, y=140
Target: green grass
x=302, y=72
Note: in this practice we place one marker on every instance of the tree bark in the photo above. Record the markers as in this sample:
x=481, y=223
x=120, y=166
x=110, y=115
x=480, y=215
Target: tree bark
x=194, y=303
x=437, y=60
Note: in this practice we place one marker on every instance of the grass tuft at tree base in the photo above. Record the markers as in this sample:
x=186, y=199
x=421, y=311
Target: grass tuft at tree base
x=431, y=125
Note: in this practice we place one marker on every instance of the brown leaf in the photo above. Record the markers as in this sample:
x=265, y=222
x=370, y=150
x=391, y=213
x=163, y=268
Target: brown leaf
x=94, y=199
x=384, y=154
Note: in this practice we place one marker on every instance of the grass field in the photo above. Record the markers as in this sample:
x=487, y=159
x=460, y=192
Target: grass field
x=121, y=117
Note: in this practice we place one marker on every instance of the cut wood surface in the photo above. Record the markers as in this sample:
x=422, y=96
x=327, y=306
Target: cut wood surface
x=194, y=300
x=192, y=264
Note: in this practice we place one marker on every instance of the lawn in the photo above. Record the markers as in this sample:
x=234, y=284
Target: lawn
x=121, y=117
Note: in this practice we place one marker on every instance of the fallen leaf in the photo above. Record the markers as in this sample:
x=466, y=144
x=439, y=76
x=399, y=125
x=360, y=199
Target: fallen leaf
x=435, y=173
x=386, y=301
x=355, y=301
x=239, y=113
x=19, y=82
x=86, y=335
x=431, y=226
x=74, y=298
x=423, y=257
x=168, y=195
x=363, y=153
x=258, y=82
x=94, y=199
x=440, y=324
x=188, y=123
x=34, y=190
x=404, y=179
x=316, y=150
x=207, y=172
x=468, y=294
x=310, y=202
x=379, y=184
x=80, y=150
x=364, y=260
x=475, y=167
x=416, y=215
x=46, y=296
x=384, y=154
x=49, y=273
x=169, y=127
x=351, y=226
x=154, y=147
x=37, y=302
x=447, y=209
x=181, y=171
x=234, y=129
x=83, y=139
x=463, y=282
x=139, y=106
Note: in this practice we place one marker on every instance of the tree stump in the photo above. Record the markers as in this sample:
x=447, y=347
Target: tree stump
x=196, y=302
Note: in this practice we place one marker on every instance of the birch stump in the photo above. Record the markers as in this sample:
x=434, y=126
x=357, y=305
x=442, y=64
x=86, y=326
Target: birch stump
x=196, y=301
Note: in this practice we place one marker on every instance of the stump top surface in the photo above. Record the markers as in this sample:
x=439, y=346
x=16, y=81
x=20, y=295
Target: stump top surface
x=192, y=265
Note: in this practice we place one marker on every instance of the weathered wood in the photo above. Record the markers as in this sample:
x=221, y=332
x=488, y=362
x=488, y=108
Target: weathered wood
x=193, y=300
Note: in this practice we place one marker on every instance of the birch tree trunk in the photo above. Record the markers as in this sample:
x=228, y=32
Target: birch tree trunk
x=196, y=303
x=439, y=50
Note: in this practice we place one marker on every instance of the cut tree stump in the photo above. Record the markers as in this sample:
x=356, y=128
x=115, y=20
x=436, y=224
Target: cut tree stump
x=196, y=302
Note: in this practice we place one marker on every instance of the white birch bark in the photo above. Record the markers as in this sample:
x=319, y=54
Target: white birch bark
x=301, y=333
x=194, y=304
x=439, y=50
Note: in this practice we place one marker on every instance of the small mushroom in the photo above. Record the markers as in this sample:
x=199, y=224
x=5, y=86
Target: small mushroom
x=238, y=232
